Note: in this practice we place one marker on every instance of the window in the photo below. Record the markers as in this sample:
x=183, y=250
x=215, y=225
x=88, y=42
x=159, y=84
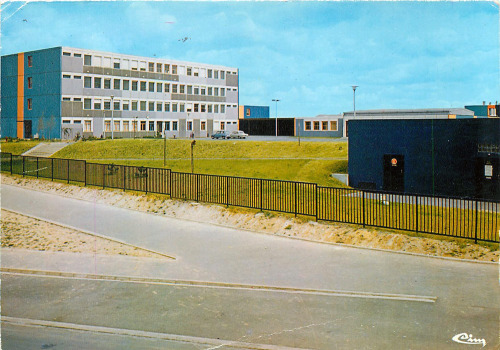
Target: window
x=158, y=67
x=216, y=108
x=333, y=125
x=116, y=84
x=87, y=60
x=125, y=105
x=66, y=53
x=189, y=69
x=196, y=107
x=88, y=126
x=209, y=91
x=222, y=109
x=174, y=107
x=307, y=126
x=30, y=104
x=134, y=85
x=143, y=125
x=209, y=108
x=116, y=65
x=222, y=92
x=77, y=99
x=181, y=87
x=116, y=105
x=107, y=83
x=190, y=89
x=66, y=121
x=203, y=108
x=222, y=126
x=203, y=126
x=125, y=125
x=248, y=112
x=159, y=106
x=167, y=87
x=97, y=83
x=167, y=68
x=316, y=125
x=117, y=125
x=66, y=76
x=78, y=55
x=174, y=88
x=134, y=125
x=203, y=91
x=174, y=126
x=492, y=112
x=181, y=107
x=209, y=73
x=107, y=125
x=126, y=84
x=151, y=67
x=30, y=61
x=97, y=104
x=134, y=105
x=151, y=126
x=159, y=87
x=216, y=91
x=222, y=74
x=189, y=126
x=151, y=106
x=143, y=105
x=107, y=104
x=216, y=74
x=87, y=82
x=66, y=99
x=143, y=86
x=324, y=125
x=167, y=107
x=77, y=77
x=196, y=90
x=30, y=82
x=87, y=103
x=174, y=69
x=167, y=126
x=151, y=87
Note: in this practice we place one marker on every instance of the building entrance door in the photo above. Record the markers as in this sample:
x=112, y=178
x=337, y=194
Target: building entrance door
x=394, y=173
x=27, y=129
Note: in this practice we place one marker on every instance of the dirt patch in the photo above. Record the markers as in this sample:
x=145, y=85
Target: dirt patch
x=19, y=231
x=269, y=223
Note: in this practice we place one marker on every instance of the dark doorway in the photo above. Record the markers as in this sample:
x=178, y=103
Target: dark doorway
x=488, y=178
x=394, y=172
x=27, y=129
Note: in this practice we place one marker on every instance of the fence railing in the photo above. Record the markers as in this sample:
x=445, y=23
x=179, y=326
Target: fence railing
x=457, y=217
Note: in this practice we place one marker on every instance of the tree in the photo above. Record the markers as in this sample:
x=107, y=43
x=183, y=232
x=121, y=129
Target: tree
x=41, y=126
x=51, y=123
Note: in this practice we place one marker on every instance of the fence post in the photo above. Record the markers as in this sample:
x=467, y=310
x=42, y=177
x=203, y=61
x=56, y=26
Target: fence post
x=416, y=215
x=11, y=164
x=146, y=179
x=295, y=205
x=475, y=233
x=37, y=167
x=364, y=211
x=170, y=182
x=261, y=195
x=23, y=164
x=52, y=172
x=227, y=191
x=103, y=176
x=85, y=172
x=197, y=187
x=124, y=177
x=68, y=170
x=316, y=186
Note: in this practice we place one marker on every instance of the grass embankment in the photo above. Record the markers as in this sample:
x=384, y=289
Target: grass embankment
x=17, y=146
x=309, y=162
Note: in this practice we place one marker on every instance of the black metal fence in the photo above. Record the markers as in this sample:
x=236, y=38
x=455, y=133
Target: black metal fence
x=457, y=217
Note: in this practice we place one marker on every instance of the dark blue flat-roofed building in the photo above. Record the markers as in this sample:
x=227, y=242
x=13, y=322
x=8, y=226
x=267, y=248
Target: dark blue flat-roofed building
x=449, y=157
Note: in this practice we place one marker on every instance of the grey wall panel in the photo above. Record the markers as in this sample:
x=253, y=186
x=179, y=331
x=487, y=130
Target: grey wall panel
x=232, y=80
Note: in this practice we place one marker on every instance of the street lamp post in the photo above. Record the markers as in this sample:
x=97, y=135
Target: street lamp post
x=276, y=119
x=354, y=99
x=134, y=125
x=192, y=158
x=112, y=122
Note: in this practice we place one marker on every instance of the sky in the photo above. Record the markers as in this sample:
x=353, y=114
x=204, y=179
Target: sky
x=306, y=54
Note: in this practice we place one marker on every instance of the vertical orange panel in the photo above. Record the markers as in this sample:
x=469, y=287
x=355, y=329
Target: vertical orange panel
x=20, y=95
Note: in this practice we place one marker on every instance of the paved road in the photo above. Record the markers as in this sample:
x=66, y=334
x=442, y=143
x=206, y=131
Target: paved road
x=380, y=313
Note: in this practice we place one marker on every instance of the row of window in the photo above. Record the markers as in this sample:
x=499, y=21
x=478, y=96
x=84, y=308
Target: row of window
x=325, y=125
x=148, y=86
x=153, y=67
x=151, y=106
x=145, y=125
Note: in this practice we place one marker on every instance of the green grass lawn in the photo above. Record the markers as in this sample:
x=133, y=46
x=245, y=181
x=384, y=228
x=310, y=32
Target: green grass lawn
x=309, y=162
x=17, y=146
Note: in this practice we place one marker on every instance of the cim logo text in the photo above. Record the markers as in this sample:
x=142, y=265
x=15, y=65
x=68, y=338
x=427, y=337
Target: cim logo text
x=464, y=338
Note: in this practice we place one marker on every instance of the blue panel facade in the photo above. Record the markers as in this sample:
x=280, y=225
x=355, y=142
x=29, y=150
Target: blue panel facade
x=256, y=111
x=45, y=93
x=441, y=157
x=9, y=96
x=479, y=110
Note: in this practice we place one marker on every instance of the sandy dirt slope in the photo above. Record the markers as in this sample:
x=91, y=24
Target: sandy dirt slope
x=269, y=223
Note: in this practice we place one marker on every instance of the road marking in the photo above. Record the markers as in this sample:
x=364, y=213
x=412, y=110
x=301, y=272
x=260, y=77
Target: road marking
x=143, y=334
x=220, y=285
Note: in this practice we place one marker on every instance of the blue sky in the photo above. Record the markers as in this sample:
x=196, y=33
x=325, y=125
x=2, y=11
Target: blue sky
x=307, y=54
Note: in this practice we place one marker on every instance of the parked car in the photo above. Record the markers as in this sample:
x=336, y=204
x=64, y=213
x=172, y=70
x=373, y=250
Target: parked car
x=220, y=135
x=237, y=134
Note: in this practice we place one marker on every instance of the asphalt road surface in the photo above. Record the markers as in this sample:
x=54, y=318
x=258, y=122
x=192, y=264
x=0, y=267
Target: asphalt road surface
x=230, y=289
